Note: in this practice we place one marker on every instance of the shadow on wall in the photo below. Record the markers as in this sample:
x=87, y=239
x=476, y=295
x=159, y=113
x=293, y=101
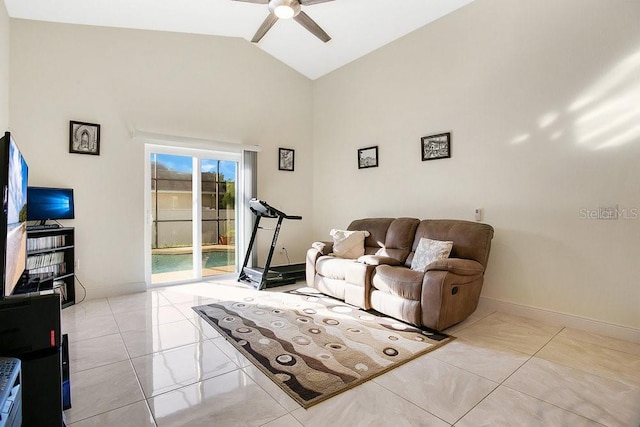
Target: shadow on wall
x=605, y=115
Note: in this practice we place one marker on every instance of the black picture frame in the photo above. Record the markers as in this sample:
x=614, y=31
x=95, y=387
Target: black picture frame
x=84, y=138
x=368, y=157
x=436, y=146
x=286, y=159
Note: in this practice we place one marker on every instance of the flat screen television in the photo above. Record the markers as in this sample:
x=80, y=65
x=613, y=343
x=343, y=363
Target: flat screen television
x=49, y=203
x=13, y=222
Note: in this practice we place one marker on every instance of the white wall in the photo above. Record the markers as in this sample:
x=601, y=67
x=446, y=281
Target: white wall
x=5, y=38
x=543, y=102
x=532, y=92
x=176, y=84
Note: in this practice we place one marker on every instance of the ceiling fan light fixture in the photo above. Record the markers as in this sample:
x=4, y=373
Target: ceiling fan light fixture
x=283, y=12
x=284, y=9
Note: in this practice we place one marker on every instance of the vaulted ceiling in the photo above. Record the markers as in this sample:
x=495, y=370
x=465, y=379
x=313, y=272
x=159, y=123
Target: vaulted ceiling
x=356, y=27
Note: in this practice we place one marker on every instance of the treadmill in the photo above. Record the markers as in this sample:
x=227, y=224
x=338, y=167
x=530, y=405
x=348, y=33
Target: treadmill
x=268, y=276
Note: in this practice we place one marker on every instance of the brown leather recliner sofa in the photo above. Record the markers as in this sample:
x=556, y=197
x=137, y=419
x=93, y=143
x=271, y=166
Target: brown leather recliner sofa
x=445, y=294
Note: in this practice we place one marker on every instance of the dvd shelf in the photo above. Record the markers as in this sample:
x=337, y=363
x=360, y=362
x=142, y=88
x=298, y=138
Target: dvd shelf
x=44, y=261
x=46, y=242
x=50, y=262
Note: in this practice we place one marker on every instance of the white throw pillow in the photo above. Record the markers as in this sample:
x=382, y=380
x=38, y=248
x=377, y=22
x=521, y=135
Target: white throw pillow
x=428, y=251
x=348, y=244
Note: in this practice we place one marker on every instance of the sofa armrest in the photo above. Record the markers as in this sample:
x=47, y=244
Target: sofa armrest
x=317, y=250
x=448, y=298
x=461, y=267
x=378, y=260
x=324, y=248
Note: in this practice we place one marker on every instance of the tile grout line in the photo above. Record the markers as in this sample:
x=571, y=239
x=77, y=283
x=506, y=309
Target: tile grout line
x=146, y=403
x=241, y=369
x=287, y=412
x=291, y=412
x=542, y=400
x=391, y=391
x=467, y=325
x=501, y=383
x=112, y=363
x=206, y=339
x=144, y=399
x=130, y=359
x=406, y=400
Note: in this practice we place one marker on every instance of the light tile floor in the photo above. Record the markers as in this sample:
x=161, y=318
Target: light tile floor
x=148, y=360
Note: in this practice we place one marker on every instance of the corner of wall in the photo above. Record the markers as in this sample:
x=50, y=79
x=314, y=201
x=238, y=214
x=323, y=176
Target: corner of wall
x=108, y=291
x=5, y=46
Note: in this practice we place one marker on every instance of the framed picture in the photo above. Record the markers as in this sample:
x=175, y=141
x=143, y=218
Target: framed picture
x=84, y=138
x=368, y=157
x=286, y=158
x=436, y=146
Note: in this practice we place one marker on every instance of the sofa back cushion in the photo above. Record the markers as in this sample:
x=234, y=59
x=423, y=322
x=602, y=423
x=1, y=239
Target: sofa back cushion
x=392, y=237
x=471, y=240
x=377, y=228
x=399, y=241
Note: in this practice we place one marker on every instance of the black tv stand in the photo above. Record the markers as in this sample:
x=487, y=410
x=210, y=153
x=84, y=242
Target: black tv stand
x=30, y=331
x=50, y=263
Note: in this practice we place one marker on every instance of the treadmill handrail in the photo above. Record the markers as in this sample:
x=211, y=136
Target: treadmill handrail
x=262, y=208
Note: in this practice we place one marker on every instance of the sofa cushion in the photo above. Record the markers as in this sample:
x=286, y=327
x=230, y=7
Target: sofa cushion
x=348, y=244
x=377, y=227
x=332, y=267
x=461, y=267
x=378, y=260
x=399, y=240
x=472, y=239
x=400, y=281
x=409, y=311
x=429, y=250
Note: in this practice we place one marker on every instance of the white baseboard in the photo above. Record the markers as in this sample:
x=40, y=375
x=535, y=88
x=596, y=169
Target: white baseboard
x=106, y=291
x=562, y=319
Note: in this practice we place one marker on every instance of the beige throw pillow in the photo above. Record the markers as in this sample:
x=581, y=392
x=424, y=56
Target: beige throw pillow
x=348, y=244
x=428, y=251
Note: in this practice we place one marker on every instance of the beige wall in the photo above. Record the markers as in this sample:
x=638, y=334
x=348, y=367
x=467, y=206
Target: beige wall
x=541, y=99
x=543, y=102
x=176, y=84
x=5, y=38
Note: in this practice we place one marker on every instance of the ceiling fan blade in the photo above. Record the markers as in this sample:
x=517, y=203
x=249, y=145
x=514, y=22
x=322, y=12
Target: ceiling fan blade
x=266, y=26
x=308, y=23
x=254, y=1
x=312, y=2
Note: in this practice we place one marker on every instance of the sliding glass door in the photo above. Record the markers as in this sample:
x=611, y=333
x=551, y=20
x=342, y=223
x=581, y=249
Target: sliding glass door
x=192, y=214
x=218, y=195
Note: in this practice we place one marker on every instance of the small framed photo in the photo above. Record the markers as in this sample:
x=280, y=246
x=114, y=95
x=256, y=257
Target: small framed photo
x=368, y=157
x=84, y=138
x=436, y=146
x=286, y=158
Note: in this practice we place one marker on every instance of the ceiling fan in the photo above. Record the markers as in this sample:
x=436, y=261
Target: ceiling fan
x=286, y=9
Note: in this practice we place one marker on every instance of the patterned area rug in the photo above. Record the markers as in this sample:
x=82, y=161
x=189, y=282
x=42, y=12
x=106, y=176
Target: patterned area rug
x=314, y=346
